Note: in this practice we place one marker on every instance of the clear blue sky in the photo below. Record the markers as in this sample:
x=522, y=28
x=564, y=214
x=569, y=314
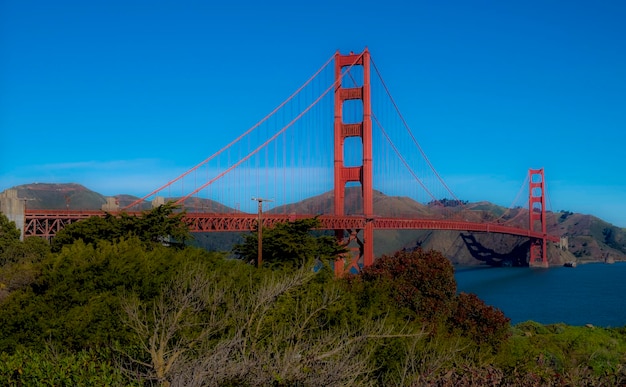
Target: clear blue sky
x=122, y=96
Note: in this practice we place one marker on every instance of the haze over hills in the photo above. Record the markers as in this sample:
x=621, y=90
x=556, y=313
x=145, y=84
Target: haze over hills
x=590, y=239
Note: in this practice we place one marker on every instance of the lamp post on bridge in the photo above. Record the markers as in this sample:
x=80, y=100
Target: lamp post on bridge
x=259, y=259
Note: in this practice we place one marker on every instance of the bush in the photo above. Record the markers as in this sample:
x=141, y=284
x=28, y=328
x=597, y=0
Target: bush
x=484, y=324
x=85, y=368
x=421, y=281
x=73, y=301
x=564, y=355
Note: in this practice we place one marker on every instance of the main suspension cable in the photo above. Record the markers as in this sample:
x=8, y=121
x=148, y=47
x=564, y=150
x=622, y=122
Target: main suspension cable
x=256, y=150
x=406, y=125
x=236, y=139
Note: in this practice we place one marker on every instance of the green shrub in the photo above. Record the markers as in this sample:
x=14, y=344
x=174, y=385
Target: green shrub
x=74, y=300
x=84, y=368
x=576, y=355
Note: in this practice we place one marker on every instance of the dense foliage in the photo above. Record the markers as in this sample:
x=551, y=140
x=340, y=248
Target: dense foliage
x=124, y=309
x=19, y=261
x=74, y=299
x=564, y=355
x=9, y=234
x=420, y=281
x=448, y=202
x=421, y=287
x=483, y=323
x=290, y=243
x=161, y=225
x=83, y=368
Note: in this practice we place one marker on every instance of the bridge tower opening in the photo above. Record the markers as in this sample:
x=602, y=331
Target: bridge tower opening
x=363, y=239
x=537, y=218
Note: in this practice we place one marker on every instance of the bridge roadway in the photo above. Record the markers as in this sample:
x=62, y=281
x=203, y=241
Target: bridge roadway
x=46, y=223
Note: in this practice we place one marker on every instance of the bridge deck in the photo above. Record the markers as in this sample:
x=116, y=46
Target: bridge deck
x=46, y=223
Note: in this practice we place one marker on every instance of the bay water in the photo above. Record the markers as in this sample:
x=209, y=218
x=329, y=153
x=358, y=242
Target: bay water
x=592, y=293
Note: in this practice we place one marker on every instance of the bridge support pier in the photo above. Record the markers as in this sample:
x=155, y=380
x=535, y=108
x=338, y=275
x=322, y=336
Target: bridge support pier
x=363, y=173
x=14, y=209
x=537, y=218
x=360, y=245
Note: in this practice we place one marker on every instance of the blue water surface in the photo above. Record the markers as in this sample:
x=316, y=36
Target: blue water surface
x=587, y=294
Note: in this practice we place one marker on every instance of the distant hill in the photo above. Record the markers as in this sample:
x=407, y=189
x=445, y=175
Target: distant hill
x=77, y=197
x=43, y=196
x=590, y=239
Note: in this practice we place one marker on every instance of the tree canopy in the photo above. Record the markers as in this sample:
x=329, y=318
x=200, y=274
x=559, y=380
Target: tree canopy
x=73, y=298
x=291, y=243
x=13, y=251
x=9, y=233
x=422, y=281
x=161, y=225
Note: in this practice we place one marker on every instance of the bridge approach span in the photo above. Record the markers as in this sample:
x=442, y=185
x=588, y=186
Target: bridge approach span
x=46, y=223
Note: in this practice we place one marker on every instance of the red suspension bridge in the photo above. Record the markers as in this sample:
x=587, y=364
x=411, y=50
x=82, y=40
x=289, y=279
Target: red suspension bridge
x=286, y=157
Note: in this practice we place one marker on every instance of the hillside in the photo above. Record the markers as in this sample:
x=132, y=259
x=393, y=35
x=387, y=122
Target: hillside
x=590, y=239
x=77, y=197
x=43, y=196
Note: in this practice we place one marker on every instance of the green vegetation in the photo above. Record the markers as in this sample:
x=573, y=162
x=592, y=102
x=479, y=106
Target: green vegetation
x=565, y=355
x=9, y=234
x=114, y=305
x=161, y=225
x=50, y=368
x=614, y=239
x=447, y=202
x=290, y=244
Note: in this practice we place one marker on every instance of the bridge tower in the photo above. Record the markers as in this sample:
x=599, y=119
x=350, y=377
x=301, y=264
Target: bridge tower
x=363, y=173
x=537, y=217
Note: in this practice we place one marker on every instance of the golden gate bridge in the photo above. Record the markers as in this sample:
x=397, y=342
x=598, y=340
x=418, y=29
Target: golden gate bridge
x=340, y=110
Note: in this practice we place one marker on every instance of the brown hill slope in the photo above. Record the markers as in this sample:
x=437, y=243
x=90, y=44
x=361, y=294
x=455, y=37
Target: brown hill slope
x=591, y=239
x=383, y=205
x=77, y=197
x=44, y=196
